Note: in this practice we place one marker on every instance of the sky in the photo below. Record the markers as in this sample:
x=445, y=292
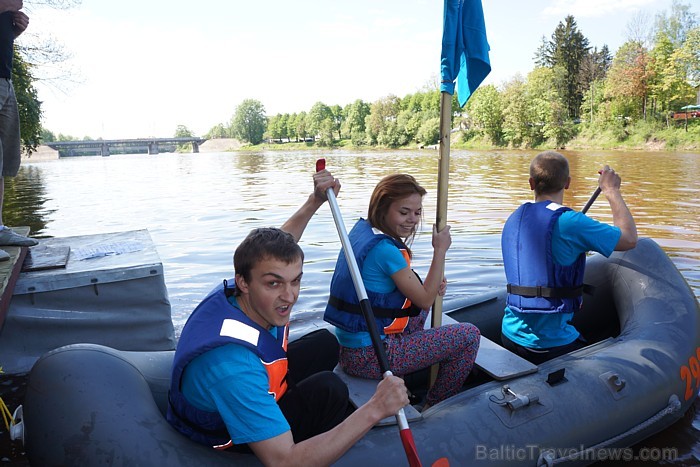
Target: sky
x=140, y=68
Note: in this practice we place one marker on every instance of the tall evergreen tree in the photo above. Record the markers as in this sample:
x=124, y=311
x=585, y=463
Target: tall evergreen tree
x=542, y=57
x=567, y=49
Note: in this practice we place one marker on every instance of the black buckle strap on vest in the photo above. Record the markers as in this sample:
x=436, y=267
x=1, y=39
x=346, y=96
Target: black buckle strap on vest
x=379, y=312
x=546, y=292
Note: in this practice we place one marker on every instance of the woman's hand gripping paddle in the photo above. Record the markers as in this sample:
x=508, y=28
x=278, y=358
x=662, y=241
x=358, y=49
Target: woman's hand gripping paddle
x=405, y=432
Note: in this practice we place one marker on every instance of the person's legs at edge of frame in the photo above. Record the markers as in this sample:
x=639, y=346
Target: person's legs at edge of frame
x=10, y=154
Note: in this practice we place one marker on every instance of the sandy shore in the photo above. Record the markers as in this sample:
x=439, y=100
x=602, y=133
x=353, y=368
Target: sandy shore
x=42, y=153
x=220, y=145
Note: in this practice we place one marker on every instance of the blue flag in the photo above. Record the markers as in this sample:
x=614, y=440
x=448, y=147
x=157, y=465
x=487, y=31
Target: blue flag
x=465, y=50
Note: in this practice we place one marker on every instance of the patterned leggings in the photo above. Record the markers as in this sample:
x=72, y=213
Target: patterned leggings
x=453, y=346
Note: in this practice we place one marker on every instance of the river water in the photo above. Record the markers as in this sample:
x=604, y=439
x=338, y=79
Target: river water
x=198, y=207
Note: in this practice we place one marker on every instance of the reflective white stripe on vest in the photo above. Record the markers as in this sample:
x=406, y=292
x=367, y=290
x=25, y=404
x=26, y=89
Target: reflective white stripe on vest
x=241, y=331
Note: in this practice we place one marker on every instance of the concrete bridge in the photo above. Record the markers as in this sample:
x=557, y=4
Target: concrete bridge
x=140, y=145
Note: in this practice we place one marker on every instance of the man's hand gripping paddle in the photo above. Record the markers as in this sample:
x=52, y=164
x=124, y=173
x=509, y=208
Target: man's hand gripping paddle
x=592, y=199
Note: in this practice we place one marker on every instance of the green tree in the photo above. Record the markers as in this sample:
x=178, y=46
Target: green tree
x=542, y=58
x=183, y=132
x=284, y=126
x=627, y=81
x=429, y=131
x=677, y=24
x=597, y=107
x=316, y=117
x=380, y=124
x=516, y=121
x=325, y=133
x=218, y=131
x=594, y=68
x=301, y=127
x=28, y=103
x=292, y=127
x=355, y=115
x=249, y=122
x=338, y=118
x=688, y=57
x=568, y=48
x=273, y=128
x=485, y=108
x=47, y=136
x=410, y=122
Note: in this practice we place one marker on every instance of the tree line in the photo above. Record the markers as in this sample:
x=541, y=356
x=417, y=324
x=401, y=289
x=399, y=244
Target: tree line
x=574, y=90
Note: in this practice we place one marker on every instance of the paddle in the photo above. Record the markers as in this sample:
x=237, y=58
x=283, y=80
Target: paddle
x=591, y=200
x=405, y=432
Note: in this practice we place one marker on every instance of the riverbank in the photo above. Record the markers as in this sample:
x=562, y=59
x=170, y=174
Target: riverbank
x=633, y=138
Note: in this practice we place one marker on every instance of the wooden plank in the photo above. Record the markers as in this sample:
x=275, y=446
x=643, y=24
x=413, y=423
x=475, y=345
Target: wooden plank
x=9, y=271
x=361, y=390
x=42, y=257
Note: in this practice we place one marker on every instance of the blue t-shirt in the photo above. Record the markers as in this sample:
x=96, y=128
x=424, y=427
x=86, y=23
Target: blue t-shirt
x=232, y=381
x=382, y=261
x=573, y=234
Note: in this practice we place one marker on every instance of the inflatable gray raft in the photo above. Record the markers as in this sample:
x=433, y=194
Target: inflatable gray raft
x=91, y=405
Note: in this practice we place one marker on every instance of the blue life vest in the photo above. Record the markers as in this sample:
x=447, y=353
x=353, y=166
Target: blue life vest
x=391, y=310
x=216, y=322
x=536, y=284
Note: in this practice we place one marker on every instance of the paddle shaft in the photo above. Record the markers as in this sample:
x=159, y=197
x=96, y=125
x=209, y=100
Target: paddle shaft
x=368, y=315
x=591, y=200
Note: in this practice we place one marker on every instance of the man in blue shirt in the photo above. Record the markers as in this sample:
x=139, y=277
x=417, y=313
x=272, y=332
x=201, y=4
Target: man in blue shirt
x=544, y=247
x=237, y=383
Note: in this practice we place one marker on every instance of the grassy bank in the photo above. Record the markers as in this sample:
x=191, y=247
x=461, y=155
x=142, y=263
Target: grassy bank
x=640, y=136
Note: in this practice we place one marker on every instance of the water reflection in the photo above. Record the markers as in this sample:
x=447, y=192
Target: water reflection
x=25, y=198
x=198, y=207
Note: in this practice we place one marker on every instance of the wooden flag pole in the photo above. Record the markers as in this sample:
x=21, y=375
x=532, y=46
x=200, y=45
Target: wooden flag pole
x=442, y=187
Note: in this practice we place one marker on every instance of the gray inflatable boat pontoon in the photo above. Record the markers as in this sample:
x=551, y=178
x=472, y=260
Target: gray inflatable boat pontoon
x=91, y=405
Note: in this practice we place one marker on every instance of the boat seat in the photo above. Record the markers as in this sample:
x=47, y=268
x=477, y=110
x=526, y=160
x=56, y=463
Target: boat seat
x=500, y=363
x=495, y=360
x=361, y=390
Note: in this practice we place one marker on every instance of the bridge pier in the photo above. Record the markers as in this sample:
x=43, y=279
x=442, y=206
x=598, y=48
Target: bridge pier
x=195, y=147
x=104, y=150
x=153, y=147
